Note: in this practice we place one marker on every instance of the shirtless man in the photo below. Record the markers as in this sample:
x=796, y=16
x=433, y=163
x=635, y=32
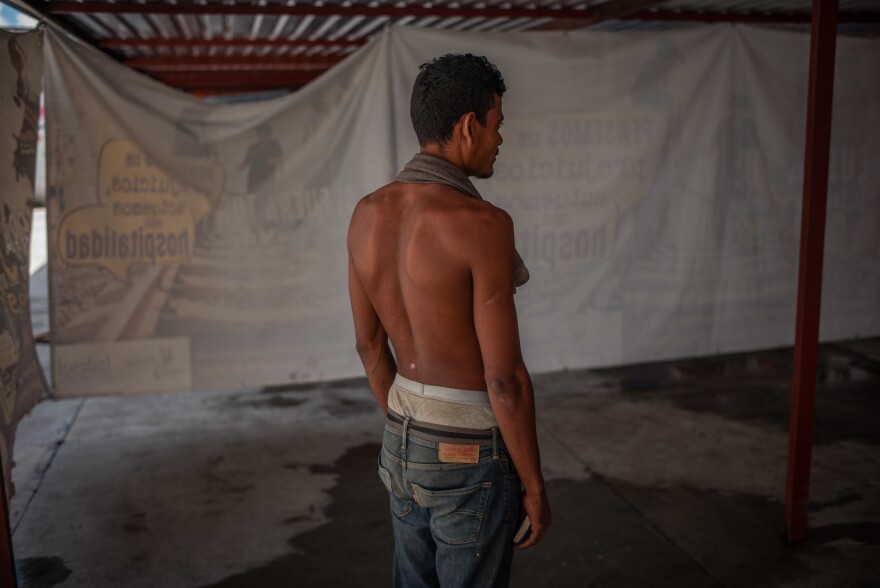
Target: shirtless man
x=432, y=268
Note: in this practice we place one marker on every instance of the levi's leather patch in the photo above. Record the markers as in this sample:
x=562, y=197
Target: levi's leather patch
x=452, y=453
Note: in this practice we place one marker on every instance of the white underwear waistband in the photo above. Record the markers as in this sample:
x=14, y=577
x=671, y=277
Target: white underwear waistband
x=442, y=392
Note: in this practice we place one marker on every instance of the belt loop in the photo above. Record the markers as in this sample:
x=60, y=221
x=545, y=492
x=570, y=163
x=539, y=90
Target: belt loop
x=405, y=433
x=494, y=442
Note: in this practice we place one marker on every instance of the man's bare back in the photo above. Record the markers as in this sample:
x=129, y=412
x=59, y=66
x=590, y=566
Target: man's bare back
x=413, y=247
x=432, y=270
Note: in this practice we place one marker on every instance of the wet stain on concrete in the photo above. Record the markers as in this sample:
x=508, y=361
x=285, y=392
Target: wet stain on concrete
x=695, y=372
x=135, y=523
x=638, y=378
x=841, y=501
x=277, y=401
x=273, y=400
x=353, y=549
x=597, y=540
x=241, y=488
x=349, y=407
x=845, y=410
x=837, y=363
x=866, y=533
x=739, y=539
x=41, y=572
x=735, y=367
x=320, y=468
x=762, y=403
x=308, y=387
x=756, y=387
x=286, y=388
x=221, y=483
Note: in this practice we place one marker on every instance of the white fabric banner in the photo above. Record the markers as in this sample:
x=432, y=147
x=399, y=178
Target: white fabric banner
x=198, y=245
x=655, y=182
x=654, y=178
x=21, y=378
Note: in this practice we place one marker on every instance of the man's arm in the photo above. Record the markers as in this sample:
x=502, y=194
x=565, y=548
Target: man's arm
x=371, y=340
x=507, y=379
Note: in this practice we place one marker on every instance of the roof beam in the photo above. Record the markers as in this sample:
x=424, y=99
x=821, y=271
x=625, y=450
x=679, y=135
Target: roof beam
x=222, y=64
x=180, y=42
x=323, y=10
x=129, y=28
x=604, y=11
x=240, y=77
x=711, y=17
x=153, y=26
x=242, y=81
x=618, y=8
x=748, y=17
x=178, y=29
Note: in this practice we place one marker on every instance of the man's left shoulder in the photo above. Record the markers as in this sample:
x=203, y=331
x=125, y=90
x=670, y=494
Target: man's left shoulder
x=484, y=226
x=489, y=216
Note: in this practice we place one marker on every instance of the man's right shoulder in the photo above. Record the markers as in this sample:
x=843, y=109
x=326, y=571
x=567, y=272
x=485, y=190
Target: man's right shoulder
x=373, y=199
x=385, y=190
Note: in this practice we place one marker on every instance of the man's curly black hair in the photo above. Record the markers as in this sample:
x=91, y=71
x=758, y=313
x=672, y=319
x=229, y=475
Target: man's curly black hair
x=449, y=87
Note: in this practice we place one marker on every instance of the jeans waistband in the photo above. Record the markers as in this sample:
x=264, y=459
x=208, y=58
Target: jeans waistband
x=442, y=392
x=443, y=434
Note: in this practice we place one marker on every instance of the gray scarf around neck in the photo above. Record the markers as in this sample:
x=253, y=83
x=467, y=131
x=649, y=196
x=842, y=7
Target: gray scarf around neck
x=427, y=169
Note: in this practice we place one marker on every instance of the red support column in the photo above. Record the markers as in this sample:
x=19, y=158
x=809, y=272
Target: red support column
x=823, y=39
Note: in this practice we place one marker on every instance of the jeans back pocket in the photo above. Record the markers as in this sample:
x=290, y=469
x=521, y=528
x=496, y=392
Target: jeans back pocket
x=399, y=506
x=456, y=514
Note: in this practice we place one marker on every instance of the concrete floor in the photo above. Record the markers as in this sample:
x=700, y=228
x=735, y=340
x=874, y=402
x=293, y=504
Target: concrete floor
x=667, y=474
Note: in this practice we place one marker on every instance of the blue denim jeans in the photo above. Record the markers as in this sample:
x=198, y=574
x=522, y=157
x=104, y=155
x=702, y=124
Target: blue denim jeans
x=453, y=522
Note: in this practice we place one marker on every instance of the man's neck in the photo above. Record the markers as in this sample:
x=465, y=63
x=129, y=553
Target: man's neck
x=443, y=152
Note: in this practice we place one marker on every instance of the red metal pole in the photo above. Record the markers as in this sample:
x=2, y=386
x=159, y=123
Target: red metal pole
x=823, y=39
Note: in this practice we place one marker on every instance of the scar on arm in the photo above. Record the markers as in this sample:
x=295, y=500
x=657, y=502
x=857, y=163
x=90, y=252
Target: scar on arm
x=492, y=299
x=499, y=389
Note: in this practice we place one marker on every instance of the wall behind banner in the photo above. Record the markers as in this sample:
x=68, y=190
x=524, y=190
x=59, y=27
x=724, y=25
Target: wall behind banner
x=654, y=180
x=21, y=378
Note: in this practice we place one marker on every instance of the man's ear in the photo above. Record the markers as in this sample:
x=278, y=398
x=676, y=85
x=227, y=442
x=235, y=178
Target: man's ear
x=467, y=126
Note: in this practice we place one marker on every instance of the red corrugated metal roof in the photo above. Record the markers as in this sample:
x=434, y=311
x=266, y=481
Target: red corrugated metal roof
x=228, y=45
